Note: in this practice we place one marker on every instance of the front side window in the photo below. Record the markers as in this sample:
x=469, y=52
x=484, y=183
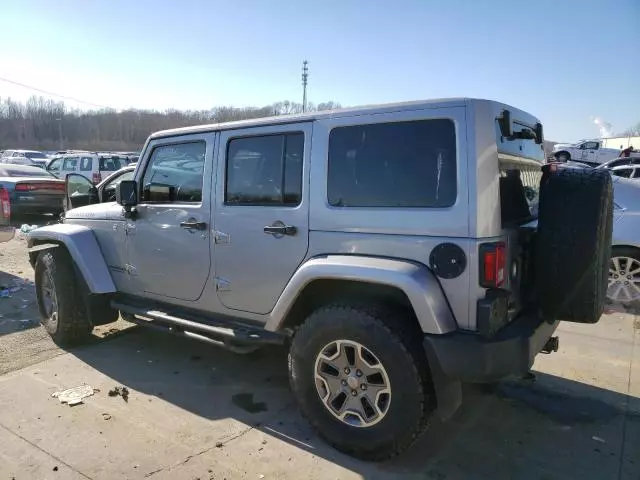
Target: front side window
x=402, y=165
x=265, y=170
x=70, y=163
x=55, y=165
x=86, y=164
x=623, y=172
x=175, y=173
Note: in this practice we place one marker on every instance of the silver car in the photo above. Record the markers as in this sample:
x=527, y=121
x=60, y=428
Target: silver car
x=624, y=271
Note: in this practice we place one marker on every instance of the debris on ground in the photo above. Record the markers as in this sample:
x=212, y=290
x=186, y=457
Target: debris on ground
x=106, y=416
x=25, y=228
x=74, y=396
x=219, y=445
x=120, y=391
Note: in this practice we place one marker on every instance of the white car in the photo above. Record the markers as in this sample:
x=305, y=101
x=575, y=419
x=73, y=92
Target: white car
x=627, y=171
x=93, y=166
x=24, y=157
x=590, y=152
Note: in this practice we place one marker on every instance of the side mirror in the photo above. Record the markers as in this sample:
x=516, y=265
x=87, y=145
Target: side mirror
x=127, y=194
x=506, y=128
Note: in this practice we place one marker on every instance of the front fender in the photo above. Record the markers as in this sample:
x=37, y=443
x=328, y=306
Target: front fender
x=417, y=282
x=83, y=247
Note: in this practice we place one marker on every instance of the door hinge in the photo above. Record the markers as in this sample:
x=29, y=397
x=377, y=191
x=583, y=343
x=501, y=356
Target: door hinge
x=222, y=284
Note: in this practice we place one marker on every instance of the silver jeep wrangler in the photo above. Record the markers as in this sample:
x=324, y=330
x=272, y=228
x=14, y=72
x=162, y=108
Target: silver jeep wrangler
x=396, y=250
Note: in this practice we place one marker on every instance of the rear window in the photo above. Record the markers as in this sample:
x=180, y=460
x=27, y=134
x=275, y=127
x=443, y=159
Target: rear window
x=23, y=171
x=402, y=164
x=37, y=155
x=111, y=164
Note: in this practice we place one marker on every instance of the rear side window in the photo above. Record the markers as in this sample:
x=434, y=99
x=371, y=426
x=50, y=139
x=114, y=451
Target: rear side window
x=403, y=165
x=265, y=170
x=111, y=164
x=86, y=164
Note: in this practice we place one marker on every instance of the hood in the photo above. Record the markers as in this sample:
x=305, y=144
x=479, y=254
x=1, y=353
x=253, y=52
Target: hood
x=559, y=146
x=100, y=211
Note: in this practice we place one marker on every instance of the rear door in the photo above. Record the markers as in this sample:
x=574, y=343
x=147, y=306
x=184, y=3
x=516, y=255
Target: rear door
x=261, y=216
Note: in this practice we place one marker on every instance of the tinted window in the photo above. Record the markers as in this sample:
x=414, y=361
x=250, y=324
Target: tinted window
x=86, y=164
x=70, y=163
x=175, y=173
x=405, y=164
x=35, y=155
x=623, y=172
x=111, y=164
x=265, y=170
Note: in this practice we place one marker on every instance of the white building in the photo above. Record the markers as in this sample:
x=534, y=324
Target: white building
x=615, y=142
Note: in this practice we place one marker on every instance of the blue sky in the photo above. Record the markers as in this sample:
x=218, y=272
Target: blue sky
x=564, y=61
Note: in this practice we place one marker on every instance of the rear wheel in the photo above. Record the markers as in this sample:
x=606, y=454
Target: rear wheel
x=563, y=157
x=624, y=276
x=62, y=310
x=361, y=378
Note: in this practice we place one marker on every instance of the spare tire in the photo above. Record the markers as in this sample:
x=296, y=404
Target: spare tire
x=575, y=222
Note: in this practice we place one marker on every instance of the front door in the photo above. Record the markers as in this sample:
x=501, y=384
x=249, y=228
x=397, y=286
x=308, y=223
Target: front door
x=169, y=236
x=261, y=217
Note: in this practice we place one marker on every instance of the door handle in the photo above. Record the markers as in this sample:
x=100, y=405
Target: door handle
x=193, y=225
x=279, y=230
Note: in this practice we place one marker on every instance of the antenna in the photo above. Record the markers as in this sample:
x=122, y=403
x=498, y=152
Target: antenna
x=305, y=77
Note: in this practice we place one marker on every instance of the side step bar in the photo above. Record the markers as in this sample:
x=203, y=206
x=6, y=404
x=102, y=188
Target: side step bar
x=232, y=336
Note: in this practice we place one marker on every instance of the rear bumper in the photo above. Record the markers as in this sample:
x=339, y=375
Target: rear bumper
x=36, y=208
x=470, y=357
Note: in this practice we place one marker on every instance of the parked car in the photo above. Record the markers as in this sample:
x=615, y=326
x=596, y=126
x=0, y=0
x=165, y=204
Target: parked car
x=590, y=152
x=620, y=161
x=93, y=166
x=81, y=191
x=26, y=189
x=626, y=171
x=24, y=157
x=624, y=269
x=386, y=246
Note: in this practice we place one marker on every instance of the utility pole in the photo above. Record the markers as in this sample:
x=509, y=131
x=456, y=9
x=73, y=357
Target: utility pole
x=305, y=77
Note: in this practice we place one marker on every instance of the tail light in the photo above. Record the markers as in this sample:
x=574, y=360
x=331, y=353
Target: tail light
x=6, y=203
x=493, y=264
x=32, y=186
x=97, y=178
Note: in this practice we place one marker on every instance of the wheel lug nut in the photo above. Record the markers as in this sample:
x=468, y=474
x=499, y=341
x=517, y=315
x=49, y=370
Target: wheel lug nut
x=354, y=393
x=363, y=386
x=347, y=370
x=358, y=373
x=344, y=383
x=615, y=276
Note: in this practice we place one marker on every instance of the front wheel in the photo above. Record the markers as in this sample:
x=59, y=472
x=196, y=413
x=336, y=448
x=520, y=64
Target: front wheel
x=361, y=379
x=563, y=157
x=62, y=310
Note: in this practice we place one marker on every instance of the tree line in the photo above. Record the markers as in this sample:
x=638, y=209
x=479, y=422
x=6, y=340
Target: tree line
x=45, y=124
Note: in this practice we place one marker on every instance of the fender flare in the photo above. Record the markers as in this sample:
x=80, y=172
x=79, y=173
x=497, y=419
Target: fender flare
x=417, y=282
x=83, y=247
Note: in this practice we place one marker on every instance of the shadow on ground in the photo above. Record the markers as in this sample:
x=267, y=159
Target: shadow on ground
x=550, y=428
x=18, y=310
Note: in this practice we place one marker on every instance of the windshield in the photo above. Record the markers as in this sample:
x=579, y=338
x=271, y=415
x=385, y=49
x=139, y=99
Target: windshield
x=24, y=171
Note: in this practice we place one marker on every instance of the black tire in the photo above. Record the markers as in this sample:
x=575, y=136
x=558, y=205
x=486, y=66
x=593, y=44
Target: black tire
x=393, y=337
x=574, y=243
x=563, y=157
x=70, y=325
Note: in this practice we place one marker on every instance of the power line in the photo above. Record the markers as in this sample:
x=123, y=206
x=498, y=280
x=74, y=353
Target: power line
x=73, y=99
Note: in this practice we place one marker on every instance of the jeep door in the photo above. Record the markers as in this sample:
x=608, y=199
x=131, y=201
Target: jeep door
x=261, y=213
x=169, y=235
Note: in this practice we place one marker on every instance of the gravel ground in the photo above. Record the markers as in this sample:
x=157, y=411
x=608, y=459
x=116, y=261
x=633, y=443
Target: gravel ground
x=23, y=341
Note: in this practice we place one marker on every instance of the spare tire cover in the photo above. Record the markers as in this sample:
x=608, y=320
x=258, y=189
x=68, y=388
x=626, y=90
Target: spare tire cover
x=575, y=222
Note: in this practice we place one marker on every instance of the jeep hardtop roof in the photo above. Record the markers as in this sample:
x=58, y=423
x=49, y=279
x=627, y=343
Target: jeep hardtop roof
x=342, y=112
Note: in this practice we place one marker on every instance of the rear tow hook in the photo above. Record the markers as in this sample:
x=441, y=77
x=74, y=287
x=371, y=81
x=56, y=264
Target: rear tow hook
x=551, y=346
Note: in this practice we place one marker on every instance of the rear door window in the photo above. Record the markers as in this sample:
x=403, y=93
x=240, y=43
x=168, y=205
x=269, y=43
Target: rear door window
x=86, y=164
x=111, y=164
x=402, y=165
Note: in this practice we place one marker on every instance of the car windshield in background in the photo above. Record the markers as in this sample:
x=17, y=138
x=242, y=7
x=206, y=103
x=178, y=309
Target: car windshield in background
x=37, y=155
x=111, y=164
x=24, y=171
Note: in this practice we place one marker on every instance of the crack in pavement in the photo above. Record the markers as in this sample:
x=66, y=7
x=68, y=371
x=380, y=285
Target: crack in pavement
x=218, y=444
x=45, y=452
